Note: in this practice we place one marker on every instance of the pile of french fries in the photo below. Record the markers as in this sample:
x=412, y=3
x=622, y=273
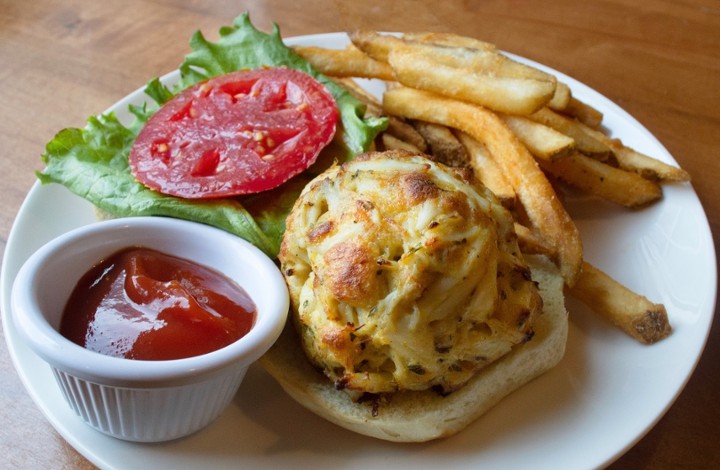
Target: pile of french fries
x=521, y=131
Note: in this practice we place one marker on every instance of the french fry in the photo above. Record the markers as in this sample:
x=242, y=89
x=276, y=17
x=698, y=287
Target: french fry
x=442, y=143
x=512, y=95
x=562, y=97
x=407, y=133
x=390, y=142
x=530, y=243
x=597, y=144
x=644, y=165
x=377, y=46
x=373, y=105
x=349, y=62
x=469, y=53
x=484, y=61
x=613, y=184
x=631, y=312
x=586, y=139
x=583, y=112
x=647, y=166
x=543, y=141
x=482, y=57
x=544, y=209
x=480, y=76
x=449, y=39
x=486, y=169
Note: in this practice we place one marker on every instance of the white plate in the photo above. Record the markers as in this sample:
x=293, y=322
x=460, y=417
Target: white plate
x=602, y=398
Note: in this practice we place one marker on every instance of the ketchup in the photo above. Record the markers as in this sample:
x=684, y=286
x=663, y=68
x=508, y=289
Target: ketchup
x=142, y=304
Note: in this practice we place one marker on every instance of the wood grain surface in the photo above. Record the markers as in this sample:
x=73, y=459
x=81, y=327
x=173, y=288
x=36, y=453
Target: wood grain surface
x=61, y=62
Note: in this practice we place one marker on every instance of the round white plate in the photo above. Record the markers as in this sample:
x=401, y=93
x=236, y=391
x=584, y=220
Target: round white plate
x=601, y=399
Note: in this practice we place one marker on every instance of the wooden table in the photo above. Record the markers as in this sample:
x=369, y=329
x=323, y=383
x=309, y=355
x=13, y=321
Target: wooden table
x=64, y=61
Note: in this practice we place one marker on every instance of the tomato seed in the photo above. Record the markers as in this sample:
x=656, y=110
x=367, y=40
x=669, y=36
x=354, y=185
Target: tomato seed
x=205, y=90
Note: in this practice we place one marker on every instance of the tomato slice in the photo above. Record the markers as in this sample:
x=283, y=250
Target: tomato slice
x=240, y=133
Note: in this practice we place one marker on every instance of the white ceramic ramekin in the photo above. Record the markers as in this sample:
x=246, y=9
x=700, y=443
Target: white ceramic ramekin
x=145, y=401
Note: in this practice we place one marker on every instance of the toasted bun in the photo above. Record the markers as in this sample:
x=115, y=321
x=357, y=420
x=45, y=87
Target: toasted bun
x=422, y=416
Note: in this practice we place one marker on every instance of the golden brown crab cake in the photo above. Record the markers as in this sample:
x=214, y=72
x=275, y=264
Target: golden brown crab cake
x=404, y=275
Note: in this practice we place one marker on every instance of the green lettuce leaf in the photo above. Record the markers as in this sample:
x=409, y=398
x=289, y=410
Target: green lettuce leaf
x=93, y=162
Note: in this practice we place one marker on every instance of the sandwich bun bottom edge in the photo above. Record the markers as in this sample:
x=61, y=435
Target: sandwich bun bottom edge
x=411, y=416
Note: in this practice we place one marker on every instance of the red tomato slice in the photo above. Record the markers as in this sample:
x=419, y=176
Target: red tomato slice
x=239, y=133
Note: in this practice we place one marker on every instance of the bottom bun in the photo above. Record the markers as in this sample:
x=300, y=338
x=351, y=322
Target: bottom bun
x=411, y=416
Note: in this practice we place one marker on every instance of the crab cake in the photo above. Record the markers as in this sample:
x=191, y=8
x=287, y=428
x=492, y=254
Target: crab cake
x=404, y=275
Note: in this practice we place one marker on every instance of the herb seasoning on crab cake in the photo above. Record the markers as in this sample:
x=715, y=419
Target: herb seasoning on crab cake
x=412, y=304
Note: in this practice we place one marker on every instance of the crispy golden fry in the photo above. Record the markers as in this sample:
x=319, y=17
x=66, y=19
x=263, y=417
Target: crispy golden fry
x=644, y=165
x=488, y=62
x=473, y=54
x=613, y=184
x=349, y=62
x=583, y=112
x=544, y=209
x=633, y=313
x=407, y=133
x=598, y=145
x=586, y=139
x=390, y=142
x=373, y=105
x=647, y=166
x=543, y=141
x=562, y=97
x=486, y=169
x=480, y=76
x=530, y=243
x=376, y=45
x=420, y=70
x=450, y=40
x=442, y=144
x=351, y=85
